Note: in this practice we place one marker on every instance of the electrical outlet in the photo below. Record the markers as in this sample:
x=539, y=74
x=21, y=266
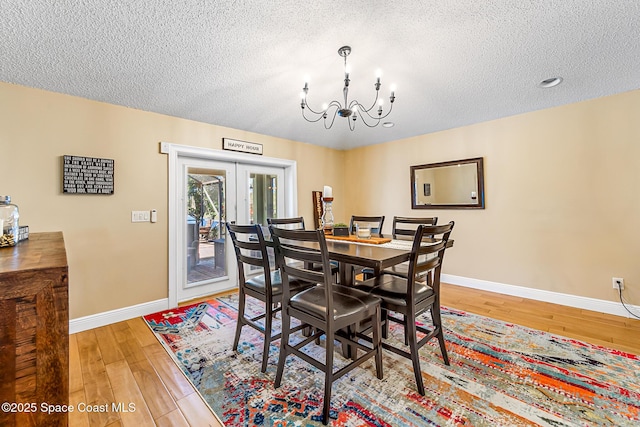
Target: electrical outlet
x=618, y=283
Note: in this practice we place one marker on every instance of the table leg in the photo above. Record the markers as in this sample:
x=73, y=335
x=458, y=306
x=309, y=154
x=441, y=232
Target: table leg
x=346, y=274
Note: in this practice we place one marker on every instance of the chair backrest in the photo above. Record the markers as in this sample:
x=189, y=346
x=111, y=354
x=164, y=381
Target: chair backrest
x=251, y=249
x=296, y=223
x=296, y=252
x=426, y=258
x=375, y=222
x=404, y=228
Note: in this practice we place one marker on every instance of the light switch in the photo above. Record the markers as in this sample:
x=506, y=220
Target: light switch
x=139, y=216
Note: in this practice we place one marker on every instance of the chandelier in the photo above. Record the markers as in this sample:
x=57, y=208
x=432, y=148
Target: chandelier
x=370, y=116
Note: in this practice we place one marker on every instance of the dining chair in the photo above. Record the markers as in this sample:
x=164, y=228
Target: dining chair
x=327, y=309
x=375, y=222
x=403, y=228
x=251, y=250
x=297, y=223
x=294, y=223
x=410, y=296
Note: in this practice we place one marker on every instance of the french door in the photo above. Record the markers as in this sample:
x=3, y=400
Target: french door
x=207, y=189
x=207, y=202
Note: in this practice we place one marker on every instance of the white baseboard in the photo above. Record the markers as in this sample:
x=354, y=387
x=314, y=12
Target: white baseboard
x=610, y=307
x=108, y=317
x=602, y=306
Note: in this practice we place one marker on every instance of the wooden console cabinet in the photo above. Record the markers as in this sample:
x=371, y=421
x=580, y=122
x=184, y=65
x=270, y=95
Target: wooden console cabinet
x=34, y=331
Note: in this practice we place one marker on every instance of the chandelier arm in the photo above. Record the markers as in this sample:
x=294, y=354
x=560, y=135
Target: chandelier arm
x=333, y=118
x=364, y=111
x=355, y=103
x=364, y=120
x=333, y=103
x=315, y=112
x=311, y=109
x=312, y=120
x=375, y=101
x=367, y=118
x=378, y=117
x=361, y=108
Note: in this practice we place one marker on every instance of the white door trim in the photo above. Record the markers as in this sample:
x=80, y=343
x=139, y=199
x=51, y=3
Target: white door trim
x=174, y=151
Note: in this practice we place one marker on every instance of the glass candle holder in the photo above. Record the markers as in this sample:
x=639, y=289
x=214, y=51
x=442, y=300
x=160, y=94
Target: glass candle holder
x=9, y=226
x=327, y=215
x=363, y=231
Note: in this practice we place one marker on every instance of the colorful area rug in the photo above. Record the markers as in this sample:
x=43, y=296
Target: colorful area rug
x=500, y=375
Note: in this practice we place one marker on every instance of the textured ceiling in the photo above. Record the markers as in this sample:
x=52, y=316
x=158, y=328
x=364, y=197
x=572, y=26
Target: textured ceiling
x=241, y=64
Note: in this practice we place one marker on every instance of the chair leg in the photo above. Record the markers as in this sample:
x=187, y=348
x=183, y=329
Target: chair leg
x=350, y=351
x=328, y=377
x=415, y=357
x=385, y=323
x=437, y=323
x=377, y=343
x=284, y=344
x=268, y=318
x=347, y=351
x=406, y=330
x=240, y=320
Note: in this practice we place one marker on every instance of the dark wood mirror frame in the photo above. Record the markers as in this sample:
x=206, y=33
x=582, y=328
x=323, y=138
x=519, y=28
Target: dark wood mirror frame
x=470, y=182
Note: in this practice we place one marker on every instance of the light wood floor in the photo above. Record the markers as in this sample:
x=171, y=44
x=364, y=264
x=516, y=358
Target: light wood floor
x=616, y=332
x=124, y=363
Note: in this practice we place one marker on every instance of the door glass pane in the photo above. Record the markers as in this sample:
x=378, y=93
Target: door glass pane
x=263, y=197
x=263, y=204
x=206, y=215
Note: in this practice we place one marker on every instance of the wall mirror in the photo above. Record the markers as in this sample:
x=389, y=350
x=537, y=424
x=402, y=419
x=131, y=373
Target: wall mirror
x=448, y=185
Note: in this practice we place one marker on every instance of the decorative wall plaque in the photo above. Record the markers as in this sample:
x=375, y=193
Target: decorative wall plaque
x=241, y=146
x=87, y=175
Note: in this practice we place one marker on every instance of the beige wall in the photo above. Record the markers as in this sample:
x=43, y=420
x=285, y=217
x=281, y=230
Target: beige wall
x=562, y=207
x=562, y=211
x=112, y=262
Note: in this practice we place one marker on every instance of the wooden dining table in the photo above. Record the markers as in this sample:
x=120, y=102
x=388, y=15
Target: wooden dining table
x=376, y=256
